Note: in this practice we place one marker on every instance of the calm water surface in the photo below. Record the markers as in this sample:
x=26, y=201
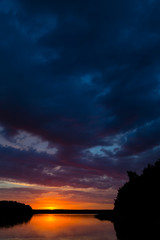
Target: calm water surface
x=60, y=227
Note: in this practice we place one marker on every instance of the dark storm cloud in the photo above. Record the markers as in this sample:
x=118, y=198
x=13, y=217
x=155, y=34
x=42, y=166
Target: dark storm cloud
x=79, y=74
x=142, y=139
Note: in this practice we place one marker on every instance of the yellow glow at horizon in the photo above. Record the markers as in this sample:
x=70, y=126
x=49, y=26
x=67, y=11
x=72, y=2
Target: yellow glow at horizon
x=51, y=204
x=53, y=197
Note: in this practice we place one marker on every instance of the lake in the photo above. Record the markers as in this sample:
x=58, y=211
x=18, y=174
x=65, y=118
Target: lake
x=60, y=227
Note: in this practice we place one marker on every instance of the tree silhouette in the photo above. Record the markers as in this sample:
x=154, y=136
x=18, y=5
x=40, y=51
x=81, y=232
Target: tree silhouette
x=12, y=213
x=137, y=206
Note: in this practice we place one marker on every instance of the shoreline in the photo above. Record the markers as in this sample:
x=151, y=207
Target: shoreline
x=71, y=211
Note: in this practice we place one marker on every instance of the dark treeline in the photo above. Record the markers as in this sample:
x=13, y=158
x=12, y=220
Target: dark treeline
x=12, y=213
x=136, y=213
x=137, y=206
x=12, y=207
x=70, y=211
x=140, y=194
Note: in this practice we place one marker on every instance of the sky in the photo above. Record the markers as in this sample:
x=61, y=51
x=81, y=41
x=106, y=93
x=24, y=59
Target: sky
x=79, y=99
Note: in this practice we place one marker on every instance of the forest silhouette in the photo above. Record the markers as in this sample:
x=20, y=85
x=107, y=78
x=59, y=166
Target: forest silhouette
x=136, y=213
x=12, y=213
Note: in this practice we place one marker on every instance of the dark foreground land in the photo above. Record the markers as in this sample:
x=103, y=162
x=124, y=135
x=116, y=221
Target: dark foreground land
x=12, y=213
x=136, y=213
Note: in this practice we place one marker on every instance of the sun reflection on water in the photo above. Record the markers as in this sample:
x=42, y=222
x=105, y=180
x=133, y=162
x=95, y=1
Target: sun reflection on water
x=58, y=226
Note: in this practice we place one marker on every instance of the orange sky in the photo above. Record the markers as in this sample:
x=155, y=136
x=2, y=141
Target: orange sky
x=44, y=197
x=53, y=203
